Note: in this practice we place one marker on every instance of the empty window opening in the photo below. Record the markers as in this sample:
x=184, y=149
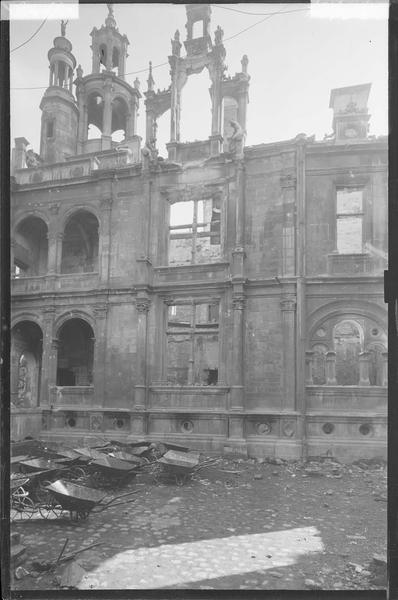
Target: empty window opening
x=192, y=344
x=376, y=363
x=75, y=354
x=230, y=113
x=93, y=133
x=30, y=248
x=80, y=244
x=349, y=213
x=95, y=112
x=195, y=232
x=115, y=58
x=162, y=133
x=120, y=114
x=197, y=29
x=348, y=344
x=195, y=119
x=103, y=53
x=26, y=361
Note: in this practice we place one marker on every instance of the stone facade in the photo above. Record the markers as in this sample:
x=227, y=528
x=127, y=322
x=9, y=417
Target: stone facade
x=227, y=297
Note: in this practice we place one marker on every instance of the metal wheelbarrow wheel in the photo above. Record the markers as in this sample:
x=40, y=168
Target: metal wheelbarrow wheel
x=49, y=507
x=22, y=506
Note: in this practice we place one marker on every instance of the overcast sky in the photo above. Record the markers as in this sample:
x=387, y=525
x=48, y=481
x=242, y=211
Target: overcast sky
x=295, y=59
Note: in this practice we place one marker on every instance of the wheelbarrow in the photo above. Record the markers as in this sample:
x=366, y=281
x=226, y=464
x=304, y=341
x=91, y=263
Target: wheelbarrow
x=79, y=500
x=109, y=471
x=179, y=465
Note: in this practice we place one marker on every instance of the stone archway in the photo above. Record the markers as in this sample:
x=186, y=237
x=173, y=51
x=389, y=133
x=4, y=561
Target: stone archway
x=26, y=363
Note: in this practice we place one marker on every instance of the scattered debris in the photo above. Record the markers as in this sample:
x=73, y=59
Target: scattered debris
x=312, y=585
x=71, y=575
x=21, y=572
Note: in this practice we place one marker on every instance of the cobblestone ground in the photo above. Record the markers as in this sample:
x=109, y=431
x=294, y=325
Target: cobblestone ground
x=270, y=526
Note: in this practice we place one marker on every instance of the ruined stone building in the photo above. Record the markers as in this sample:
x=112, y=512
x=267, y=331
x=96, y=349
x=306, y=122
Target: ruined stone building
x=227, y=297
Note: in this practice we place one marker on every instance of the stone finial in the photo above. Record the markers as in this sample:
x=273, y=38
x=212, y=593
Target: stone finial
x=218, y=36
x=63, y=27
x=137, y=83
x=150, y=80
x=244, y=62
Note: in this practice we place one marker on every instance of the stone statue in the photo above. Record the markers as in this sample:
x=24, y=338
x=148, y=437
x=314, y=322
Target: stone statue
x=110, y=9
x=150, y=153
x=79, y=72
x=63, y=27
x=237, y=139
x=32, y=159
x=244, y=62
x=218, y=36
x=175, y=44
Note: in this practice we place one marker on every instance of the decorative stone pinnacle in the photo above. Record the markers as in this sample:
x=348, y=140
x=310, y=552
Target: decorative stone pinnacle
x=110, y=19
x=244, y=62
x=150, y=80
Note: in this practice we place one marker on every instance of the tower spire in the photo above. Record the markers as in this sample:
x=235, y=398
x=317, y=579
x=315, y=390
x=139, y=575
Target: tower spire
x=110, y=19
x=150, y=80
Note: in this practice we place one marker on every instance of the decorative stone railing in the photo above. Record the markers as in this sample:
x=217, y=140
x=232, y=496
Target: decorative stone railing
x=76, y=396
x=346, y=398
x=51, y=283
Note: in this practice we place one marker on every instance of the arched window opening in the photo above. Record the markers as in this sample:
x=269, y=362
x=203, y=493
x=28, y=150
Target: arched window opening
x=115, y=58
x=75, y=354
x=197, y=29
x=30, y=248
x=119, y=117
x=103, y=52
x=230, y=113
x=62, y=74
x=95, y=113
x=80, y=244
x=195, y=120
x=319, y=364
x=93, y=133
x=348, y=344
x=26, y=359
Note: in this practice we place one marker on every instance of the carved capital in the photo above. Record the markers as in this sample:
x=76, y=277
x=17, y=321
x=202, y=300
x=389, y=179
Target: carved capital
x=238, y=302
x=288, y=181
x=288, y=303
x=48, y=313
x=54, y=208
x=100, y=311
x=106, y=203
x=142, y=305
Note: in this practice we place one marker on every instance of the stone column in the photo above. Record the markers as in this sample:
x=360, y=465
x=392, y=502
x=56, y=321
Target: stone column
x=49, y=356
x=107, y=117
x=237, y=378
x=288, y=308
x=364, y=368
x=384, y=367
x=99, y=370
x=54, y=252
x=104, y=250
x=309, y=363
x=56, y=82
x=12, y=259
x=142, y=304
x=331, y=368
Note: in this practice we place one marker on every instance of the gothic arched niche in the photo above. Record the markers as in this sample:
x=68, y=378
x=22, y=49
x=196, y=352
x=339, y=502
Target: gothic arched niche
x=26, y=359
x=80, y=244
x=75, y=353
x=30, y=248
x=348, y=344
x=119, y=116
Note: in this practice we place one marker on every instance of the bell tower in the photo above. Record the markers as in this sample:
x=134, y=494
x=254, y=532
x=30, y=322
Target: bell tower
x=59, y=120
x=105, y=100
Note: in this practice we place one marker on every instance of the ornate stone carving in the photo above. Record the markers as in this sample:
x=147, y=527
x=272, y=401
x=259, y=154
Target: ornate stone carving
x=96, y=422
x=236, y=141
x=63, y=27
x=142, y=305
x=264, y=428
x=289, y=428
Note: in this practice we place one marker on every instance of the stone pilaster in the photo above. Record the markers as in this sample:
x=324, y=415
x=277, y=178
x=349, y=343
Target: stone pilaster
x=142, y=305
x=49, y=356
x=54, y=252
x=364, y=368
x=237, y=373
x=331, y=368
x=104, y=253
x=99, y=367
x=288, y=309
x=309, y=364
